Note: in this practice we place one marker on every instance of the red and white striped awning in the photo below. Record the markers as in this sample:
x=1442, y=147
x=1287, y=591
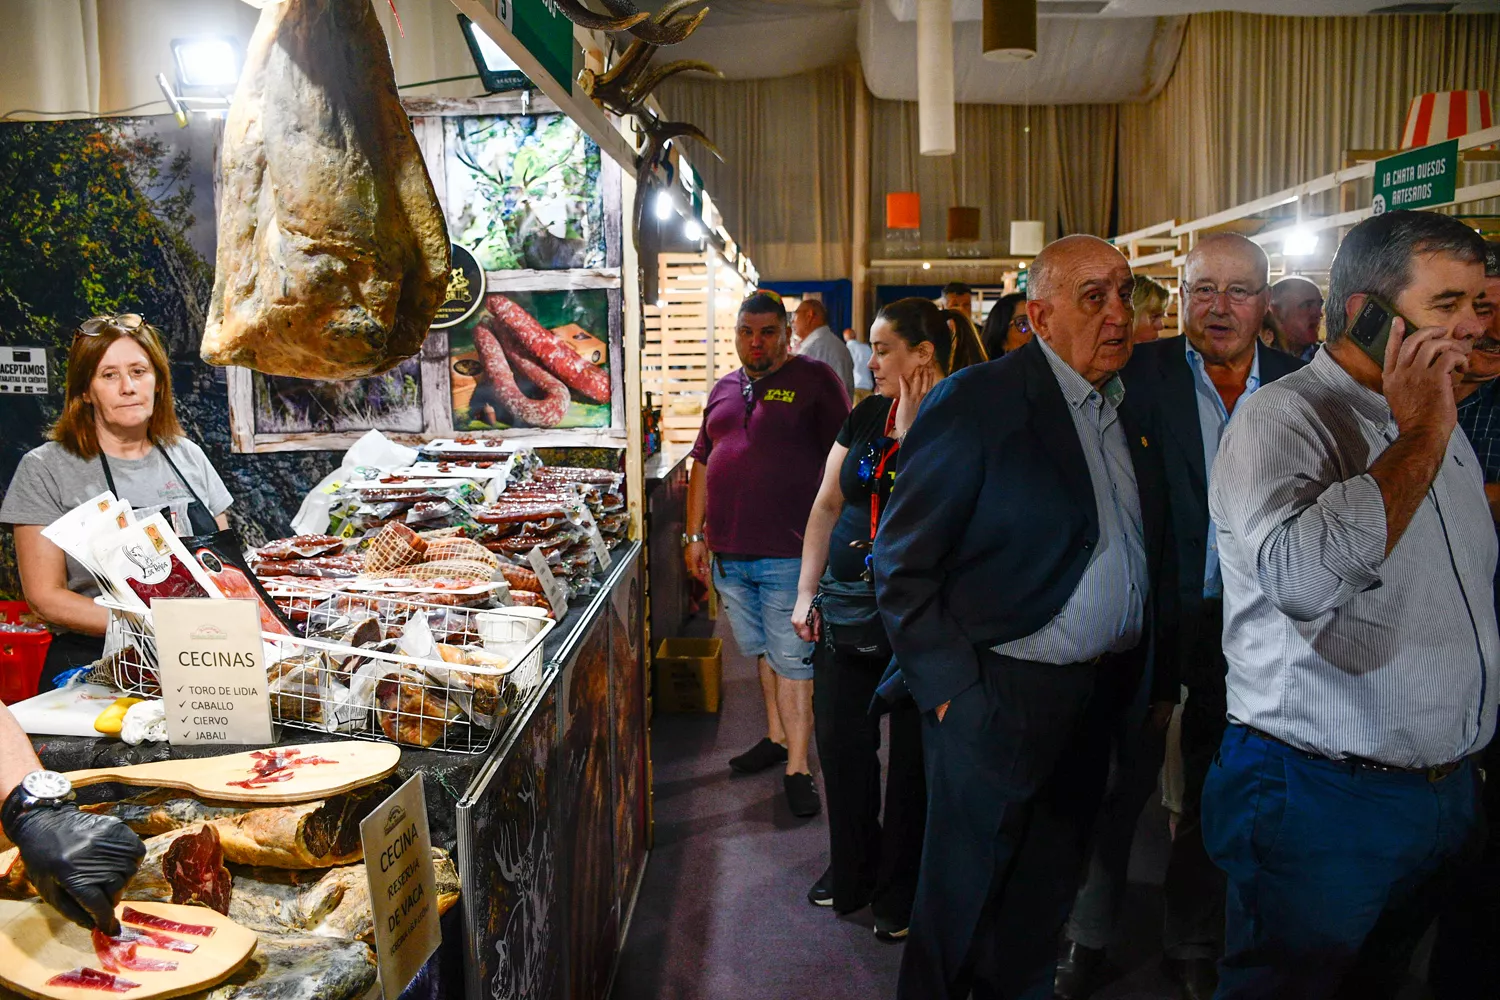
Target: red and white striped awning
x=1445, y=115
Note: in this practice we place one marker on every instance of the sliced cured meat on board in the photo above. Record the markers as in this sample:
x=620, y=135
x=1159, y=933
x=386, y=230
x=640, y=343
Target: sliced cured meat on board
x=550, y=349
x=333, y=252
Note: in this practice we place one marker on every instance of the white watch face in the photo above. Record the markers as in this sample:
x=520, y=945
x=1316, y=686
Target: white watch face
x=46, y=785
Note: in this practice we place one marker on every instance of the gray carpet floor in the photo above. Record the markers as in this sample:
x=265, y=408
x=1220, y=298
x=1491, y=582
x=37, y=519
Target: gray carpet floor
x=722, y=911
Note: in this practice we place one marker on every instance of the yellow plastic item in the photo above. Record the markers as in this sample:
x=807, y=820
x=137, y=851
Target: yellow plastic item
x=112, y=718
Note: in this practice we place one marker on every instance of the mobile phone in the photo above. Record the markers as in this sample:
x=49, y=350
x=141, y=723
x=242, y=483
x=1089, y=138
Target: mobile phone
x=1371, y=329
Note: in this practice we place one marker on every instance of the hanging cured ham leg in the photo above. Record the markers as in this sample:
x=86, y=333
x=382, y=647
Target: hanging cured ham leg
x=333, y=252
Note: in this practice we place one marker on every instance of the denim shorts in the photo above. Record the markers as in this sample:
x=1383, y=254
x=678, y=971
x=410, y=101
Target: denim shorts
x=759, y=595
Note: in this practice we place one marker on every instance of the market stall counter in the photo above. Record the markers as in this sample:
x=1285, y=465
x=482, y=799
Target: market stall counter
x=546, y=830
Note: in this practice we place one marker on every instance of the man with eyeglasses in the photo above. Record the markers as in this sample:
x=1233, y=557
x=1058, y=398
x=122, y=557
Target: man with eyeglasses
x=1357, y=557
x=767, y=429
x=1297, y=305
x=1193, y=384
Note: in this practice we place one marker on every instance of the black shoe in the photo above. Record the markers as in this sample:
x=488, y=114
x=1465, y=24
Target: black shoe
x=1077, y=971
x=891, y=931
x=821, y=893
x=1197, y=977
x=802, y=795
x=759, y=757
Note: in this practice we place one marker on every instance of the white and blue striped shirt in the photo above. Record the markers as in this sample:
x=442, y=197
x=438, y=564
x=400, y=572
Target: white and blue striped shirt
x=1105, y=612
x=1333, y=646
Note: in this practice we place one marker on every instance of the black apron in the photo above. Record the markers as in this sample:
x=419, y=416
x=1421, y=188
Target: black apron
x=74, y=649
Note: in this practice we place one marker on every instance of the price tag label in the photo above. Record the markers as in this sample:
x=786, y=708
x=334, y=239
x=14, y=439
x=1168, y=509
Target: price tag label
x=212, y=670
x=403, y=888
x=596, y=541
x=557, y=594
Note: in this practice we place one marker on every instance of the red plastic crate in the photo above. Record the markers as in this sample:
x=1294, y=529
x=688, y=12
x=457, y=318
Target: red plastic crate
x=22, y=655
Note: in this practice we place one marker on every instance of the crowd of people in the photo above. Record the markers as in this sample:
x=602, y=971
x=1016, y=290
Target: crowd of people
x=1032, y=546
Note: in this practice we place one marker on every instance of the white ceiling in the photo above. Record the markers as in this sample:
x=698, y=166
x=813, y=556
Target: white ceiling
x=794, y=36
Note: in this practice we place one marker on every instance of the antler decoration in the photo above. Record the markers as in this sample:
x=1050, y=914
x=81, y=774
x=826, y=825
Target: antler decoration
x=658, y=134
x=575, y=11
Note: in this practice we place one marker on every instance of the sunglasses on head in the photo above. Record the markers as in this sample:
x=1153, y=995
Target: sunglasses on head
x=122, y=323
x=773, y=296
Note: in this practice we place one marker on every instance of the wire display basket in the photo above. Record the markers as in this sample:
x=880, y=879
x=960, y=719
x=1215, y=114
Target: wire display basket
x=375, y=666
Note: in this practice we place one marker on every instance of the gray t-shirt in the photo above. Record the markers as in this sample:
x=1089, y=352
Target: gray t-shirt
x=50, y=481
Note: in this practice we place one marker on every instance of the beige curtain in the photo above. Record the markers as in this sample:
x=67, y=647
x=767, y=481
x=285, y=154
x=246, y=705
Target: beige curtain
x=1061, y=172
x=787, y=178
x=1259, y=103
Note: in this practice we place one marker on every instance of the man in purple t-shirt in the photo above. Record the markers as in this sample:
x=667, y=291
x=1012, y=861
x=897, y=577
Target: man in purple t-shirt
x=766, y=433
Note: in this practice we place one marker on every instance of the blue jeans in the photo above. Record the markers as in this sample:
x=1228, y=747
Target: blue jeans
x=759, y=595
x=1335, y=871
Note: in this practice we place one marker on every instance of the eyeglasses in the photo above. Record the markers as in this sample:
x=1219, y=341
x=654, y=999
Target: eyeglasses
x=123, y=322
x=1019, y=322
x=1238, y=294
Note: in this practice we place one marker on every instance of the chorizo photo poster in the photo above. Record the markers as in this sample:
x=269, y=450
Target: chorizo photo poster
x=533, y=360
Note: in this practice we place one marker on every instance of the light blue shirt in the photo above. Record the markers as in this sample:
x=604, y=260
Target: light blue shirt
x=1213, y=417
x=1106, y=611
x=1334, y=646
x=860, y=353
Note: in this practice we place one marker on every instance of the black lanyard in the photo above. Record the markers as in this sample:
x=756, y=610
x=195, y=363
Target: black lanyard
x=200, y=521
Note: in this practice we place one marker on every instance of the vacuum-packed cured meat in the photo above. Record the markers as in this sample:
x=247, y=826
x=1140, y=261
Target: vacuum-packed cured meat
x=548, y=411
x=234, y=582
x=520, y=578
x=92, y=979
x=394, y=546
x=301, y=547
x=194, y=866
x=333, y=251
x=554, y=354
x=326, y=567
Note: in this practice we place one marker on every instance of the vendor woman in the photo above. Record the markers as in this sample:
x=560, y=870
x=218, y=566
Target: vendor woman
x=118, y=432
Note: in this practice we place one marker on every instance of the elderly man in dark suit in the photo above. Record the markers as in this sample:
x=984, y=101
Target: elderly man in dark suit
x=1193, y=383
x=1018, y=570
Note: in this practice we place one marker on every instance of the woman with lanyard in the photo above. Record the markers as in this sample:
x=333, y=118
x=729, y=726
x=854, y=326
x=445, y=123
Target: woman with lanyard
x=119, y=432
x=914, y=344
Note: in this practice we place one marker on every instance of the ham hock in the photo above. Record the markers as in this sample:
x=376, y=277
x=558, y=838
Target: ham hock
x=333, y=253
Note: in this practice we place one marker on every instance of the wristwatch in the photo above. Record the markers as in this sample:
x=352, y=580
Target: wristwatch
x=38, y=790
x=690, y=539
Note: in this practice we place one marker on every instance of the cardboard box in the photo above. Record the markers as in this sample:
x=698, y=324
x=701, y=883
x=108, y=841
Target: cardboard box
x=687, y=675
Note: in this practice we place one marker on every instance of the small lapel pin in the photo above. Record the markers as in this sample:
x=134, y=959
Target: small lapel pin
x=1143, y=442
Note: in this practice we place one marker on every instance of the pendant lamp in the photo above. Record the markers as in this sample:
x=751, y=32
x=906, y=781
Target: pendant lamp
x=1009, y=29
x=1026, y=238
x=935, y=77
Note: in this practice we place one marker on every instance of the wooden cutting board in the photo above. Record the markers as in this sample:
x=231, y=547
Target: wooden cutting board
x=37, y=943
x=353, y=763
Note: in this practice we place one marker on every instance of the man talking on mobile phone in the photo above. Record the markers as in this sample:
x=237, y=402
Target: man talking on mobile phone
x=1359, y=629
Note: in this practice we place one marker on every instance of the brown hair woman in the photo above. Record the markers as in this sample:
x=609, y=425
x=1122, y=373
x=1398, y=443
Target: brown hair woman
x=118, y=432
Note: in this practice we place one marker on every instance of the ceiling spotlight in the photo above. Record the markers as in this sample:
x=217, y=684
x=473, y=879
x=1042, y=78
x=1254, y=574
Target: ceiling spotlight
x=661, y=303
x=692, y=230
x=926, y=265
x=663, y=205
x=211, y=62
x=1300, y=243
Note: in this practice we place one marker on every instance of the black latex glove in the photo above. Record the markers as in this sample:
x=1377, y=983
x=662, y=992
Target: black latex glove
x=79, y=862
